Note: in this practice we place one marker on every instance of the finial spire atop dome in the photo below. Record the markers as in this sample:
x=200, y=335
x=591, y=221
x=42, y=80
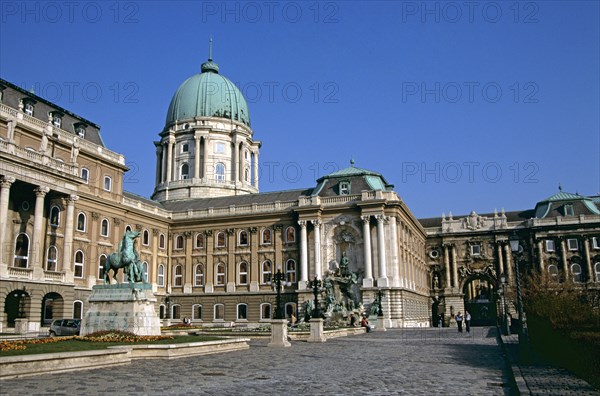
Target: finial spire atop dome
x=352, y=162
x=210, y=66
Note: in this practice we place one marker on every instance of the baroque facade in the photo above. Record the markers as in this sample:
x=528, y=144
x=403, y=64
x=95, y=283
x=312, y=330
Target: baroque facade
x=211, y=243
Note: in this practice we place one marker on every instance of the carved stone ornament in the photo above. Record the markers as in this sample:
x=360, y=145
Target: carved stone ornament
x=473, y=221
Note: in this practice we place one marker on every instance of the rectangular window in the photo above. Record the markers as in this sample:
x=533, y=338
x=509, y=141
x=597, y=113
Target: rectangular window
x=28, y=109
x=572, y=244
x=107, y=183
x=219, y=148
x=595, y=243
x=550, y=245
x=569, y=210
x=219, y=312
x=56, y=121
x=344, y=188
x=475, y=250
x=185, y=148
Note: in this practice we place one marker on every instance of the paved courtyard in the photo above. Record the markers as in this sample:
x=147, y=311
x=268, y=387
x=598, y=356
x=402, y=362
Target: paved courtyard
x=396, y=362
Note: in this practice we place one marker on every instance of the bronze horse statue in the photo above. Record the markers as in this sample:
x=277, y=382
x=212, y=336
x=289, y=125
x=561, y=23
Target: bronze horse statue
x=127, y=258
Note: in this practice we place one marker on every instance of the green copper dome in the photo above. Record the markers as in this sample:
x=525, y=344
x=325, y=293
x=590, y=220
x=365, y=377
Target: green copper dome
x=208, y=94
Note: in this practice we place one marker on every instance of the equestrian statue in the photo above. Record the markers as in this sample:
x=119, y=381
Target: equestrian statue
x=127, y=258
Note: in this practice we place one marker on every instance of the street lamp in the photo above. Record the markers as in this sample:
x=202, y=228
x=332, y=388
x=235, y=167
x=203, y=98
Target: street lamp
x=168, y=303
x=380, y=302
x=21, y=296
x=517, y=249
x=315, y=285
x=280, y=281
x=502, y=291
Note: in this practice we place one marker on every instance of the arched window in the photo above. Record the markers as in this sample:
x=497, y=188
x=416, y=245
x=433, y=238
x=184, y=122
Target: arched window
x=127, y=228
x=243, y=273
x=220, y=275
x=290, y=271
x=266, y=236
x=242, y=312
x=146, y=238
x=185, y=171
x=196, y=312
x=101, y=262
x=161, y=241
x=161, y=311
x=219, y=312
x=200, y=241
x=78, y=269
x=221, y=240
x=21, y=250
x=178, y=276
x=54, y=216
x=553, y=273
x=266, y=272
x=243, y=238
x=52, y=259
x=265, y=311
x=576, y=272
x=145, y=271
x=176, y=311
x=220, y=172
x=104, y=228
x=247, y=175
x=85, y=174
x=77, y=309
x=160, y=275
x=597, y=271
x=290, y=308
x=81, y=222
x=290, y=234
x=107, y=183
x=179, y=242
x=199, y=275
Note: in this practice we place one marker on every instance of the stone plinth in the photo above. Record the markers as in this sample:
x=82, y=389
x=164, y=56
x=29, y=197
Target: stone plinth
x=316, y=330
x=380, y=326
x=122, y=307
x=279, y=333
x=21, y=325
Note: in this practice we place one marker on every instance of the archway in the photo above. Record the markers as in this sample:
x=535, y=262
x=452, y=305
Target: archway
x=52, y=307
x=16, y=306
x=480, y=300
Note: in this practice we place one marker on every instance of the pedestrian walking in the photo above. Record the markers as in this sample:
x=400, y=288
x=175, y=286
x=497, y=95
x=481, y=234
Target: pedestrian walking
x=459, y=320
x=468, y=322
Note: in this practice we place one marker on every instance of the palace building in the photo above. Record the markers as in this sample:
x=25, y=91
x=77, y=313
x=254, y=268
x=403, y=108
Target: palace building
x=211, y=243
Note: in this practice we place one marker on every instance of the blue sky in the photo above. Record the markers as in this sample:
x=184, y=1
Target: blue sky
x=461, y=105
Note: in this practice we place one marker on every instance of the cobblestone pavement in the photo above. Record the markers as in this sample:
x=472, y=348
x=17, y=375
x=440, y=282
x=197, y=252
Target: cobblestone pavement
x=540, y=378
x=396, y=362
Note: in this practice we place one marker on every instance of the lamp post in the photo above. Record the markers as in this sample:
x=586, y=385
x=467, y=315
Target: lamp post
x=21, y=296
x=168, y=304
x=380, y=302
x=517, y=249
x=315, y=285
x=505, y=328
x=279, y=279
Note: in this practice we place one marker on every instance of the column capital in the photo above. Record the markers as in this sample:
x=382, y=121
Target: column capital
x=72, y=198
x=316, y=223
x=95, y=215
x=6, y=181
x=41, y=191
x=381, y=217
x=302, y=223
x=366, y=218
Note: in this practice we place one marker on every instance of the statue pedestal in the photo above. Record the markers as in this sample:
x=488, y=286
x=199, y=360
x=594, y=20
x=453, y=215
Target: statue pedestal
x=279, y=333
x=380, y=326
x=316, y=330
x=21, y=325
x=122, y=307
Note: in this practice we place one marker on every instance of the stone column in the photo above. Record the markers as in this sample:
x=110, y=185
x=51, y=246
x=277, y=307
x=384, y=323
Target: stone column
x=170, y=161
x=317, y=225
x=197, y=173
x=447, y=266
x=234, y=162
x=68, y=242
x=368, y=278
x=540, y=256
x=5, y=184
x=303, y=255
x=563, y=254
x=37, y=240
x=454, y=266
x=588, y=261
x=163, y=170
x=394, y=239
x=255, y=181
x=382, y=280
x=500, y=260
x=508, y=266
x=158, y=164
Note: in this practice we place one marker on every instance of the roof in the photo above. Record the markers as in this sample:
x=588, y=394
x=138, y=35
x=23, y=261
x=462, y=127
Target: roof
x=514, y=216
x=208, y=94
x=245, y=199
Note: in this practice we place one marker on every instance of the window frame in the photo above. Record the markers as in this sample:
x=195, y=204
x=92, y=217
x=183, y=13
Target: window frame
x=220, y=172
x=553, y=273
x=79, y=264
x=54, y=261
x=184, y=175
x=200, y=241
x=178, y=275
x=569, y=210
x=264, y=306
x=81, y=229
x=161, y=241
x=477, y=247
x=244, y=273
x=85, y=171
x=266, y=276
x=290, y=274
x=199, y=275
x=216, y=310
x=240, y=242
x=104, y=233
x=266, y=241
x=146, y=238
x=220, y=274
x=238, y=312
x=575, y=247
x=194, y=307
x=217, y=240
x=160, y=275
x=595, y=242
x=53, y=208
x=15, y=250
x=291, y=229
x=577, y=277
x=179, y=242
x=101, y=265
x=104, y=185
x=550, y=245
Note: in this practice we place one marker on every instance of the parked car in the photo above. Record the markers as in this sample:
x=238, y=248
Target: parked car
x=63, y=327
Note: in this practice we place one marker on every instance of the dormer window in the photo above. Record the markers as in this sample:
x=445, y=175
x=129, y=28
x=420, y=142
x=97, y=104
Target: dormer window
x=80, y=130
x=56, y=120
x=569, y=210
x=28, y=108
x=344, y=188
